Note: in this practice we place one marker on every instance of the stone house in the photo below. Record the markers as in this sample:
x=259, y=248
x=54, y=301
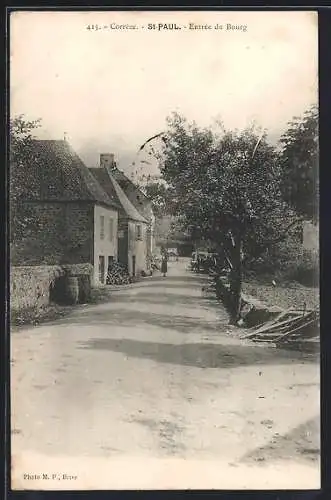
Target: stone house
x=75, y=221
x=134, y=238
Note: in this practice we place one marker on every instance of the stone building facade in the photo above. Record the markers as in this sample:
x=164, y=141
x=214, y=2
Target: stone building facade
x=133, y=227
x=73, y=220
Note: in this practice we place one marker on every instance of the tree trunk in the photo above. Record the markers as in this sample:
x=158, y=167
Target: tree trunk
x=236, y=278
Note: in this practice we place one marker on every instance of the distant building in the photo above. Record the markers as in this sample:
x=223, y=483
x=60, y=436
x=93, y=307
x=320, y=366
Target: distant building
x=167, y=236
x=133, y=227
x=76, y=221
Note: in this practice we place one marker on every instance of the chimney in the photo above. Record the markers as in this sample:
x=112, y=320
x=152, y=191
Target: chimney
x=107, y=161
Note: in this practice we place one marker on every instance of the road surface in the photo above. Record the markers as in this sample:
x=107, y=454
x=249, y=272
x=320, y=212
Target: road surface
x=154, y=389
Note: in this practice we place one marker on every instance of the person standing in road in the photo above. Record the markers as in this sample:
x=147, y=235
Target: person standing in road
x=164, y=264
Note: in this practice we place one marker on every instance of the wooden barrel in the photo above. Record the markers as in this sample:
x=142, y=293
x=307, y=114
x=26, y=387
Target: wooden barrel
x=84, y=283
x=71, y=289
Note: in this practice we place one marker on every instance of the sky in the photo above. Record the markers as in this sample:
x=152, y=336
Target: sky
x=111, y=89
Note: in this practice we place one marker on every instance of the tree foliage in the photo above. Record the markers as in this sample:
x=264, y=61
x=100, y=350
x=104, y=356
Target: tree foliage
x=225, y=187
x=219, y=186
x=20, y=158
x=157, y=192
x=299, y=163
x=168, y=226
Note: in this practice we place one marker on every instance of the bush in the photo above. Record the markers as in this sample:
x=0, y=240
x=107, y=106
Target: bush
x=306, y=269
x=287, y=261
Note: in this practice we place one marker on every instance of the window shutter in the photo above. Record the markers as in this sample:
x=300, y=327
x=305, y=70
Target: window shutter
x=111, y=229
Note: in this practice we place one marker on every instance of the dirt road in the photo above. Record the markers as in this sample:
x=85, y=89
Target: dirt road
x=151, y=390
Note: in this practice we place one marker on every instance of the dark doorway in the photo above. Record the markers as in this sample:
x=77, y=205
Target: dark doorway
x=123, y=249
x=110, y=261
x=133, y=265
x=84, y=281
x=57, y=291
x=101, y=268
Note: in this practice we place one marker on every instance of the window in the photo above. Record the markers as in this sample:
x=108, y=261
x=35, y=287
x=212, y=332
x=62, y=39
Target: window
x=102, y=227
x=111, y=229
x=138, y=232
x=131, y=236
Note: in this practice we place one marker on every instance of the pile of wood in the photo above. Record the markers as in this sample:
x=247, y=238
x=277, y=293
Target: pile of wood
x=289, y=326
x=118, y=275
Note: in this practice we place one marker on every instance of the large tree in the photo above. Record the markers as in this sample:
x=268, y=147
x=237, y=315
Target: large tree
x=21, y=177
x=299, y=163
x=226, y=189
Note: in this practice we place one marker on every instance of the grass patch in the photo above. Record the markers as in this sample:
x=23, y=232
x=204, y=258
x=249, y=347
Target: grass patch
x=34, y=316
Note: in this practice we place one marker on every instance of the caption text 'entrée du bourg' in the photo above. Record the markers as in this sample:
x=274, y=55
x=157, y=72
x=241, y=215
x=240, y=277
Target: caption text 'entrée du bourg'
x=168, y=27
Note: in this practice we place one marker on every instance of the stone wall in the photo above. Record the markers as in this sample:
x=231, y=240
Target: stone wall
x=30, y=285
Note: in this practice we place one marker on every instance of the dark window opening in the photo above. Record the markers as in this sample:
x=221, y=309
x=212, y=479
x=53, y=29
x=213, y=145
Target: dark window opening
x=101, y=269
x=110, y=261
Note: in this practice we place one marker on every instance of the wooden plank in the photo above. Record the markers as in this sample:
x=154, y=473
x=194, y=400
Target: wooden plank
x=284, y=315
x=270, y=322
x=275, y=335
x=275, y=324
x=307, y=311
x=269, y=326
x=269, y=338
x=296, y=329
x=294, y=320
x=285, y=326
x=266, y=340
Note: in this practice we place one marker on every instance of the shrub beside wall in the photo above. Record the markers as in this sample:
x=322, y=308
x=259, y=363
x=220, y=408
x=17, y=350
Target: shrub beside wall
x=288, y=261
x=305, y=269
x=30, y=285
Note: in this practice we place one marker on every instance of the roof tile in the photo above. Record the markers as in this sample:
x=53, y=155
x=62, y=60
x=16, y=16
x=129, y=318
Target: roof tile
x=61, y=175
x=113, y=189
